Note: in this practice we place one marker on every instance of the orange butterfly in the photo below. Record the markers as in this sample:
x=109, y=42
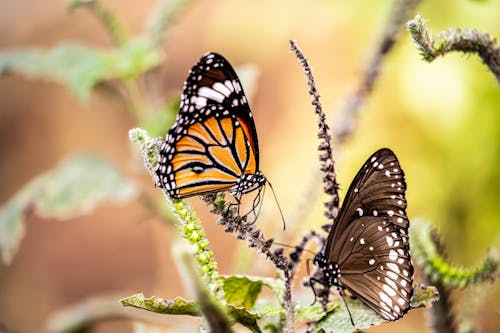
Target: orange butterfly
x=212, y=147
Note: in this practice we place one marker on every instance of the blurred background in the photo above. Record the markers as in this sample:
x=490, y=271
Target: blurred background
x=442, y=119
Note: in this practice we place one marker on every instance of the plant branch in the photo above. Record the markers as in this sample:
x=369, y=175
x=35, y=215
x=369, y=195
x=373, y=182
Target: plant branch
x=191, y=226
x=84, y=315
x=234, y=223
x=429, y=253
x=463, y=40
x=163, y=17
x=213, y=312
x=110, y=21
x=401, y=11
x=327, y=163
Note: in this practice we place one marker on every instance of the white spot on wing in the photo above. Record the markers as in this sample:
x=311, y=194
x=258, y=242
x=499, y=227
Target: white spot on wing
x=220, y=87
x=389, y=290
x=210, y=94
x=393, y=267
x=386, y=299
x=201, y=102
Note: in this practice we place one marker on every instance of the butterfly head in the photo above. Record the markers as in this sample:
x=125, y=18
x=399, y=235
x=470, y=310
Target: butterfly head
x=248, y=183
x=329, y=271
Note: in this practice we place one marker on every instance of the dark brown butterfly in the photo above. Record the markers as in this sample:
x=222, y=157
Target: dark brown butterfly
x=367, y=251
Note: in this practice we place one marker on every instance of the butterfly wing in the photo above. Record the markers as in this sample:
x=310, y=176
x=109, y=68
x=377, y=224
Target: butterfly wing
x=213, y=141
x=378, y=190
x=369, y=239
x=376, y=267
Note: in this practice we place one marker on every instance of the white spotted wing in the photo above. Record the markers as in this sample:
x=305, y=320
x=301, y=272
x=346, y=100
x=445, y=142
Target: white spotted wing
x=369, y=239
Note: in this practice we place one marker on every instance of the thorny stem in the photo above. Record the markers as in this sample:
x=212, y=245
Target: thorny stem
x=401, y=11
x=463, y=40
x=327, y=164
x=234, y=223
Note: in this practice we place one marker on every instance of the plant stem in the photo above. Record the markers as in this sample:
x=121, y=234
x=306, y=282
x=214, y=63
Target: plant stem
x=463, y=40
x=327, y=163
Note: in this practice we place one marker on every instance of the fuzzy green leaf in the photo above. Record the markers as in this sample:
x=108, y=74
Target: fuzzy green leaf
x=241, y=291
x=82, y=67
x=313, y=312
x=180, y=306
x=424, y=296
x=76, y=187
x=337, y=318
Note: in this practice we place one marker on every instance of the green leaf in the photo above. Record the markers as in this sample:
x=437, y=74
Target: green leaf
x=179, y=306
x=243, y=317
x=82, y=67
x=313, y=312
x=424, y=296
x=251, y=284
x=241, y=291
x=76, y=187
x=337, y=319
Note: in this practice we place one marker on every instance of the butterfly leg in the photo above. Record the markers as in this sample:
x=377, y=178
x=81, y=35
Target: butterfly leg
x=257, y=205
x=342, y=294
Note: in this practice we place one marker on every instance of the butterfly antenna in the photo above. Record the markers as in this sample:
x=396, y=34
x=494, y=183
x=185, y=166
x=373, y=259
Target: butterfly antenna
x=294, y=247
x=341, y=292
x=278, y=204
